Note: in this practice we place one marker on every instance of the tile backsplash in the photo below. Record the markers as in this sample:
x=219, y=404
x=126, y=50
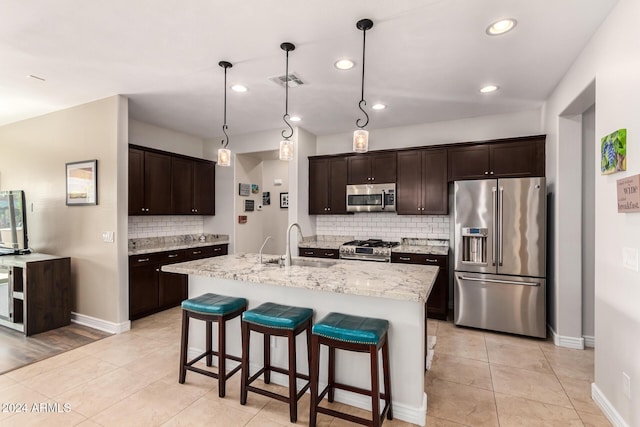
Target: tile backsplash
x=382, y=225
x=169, y=225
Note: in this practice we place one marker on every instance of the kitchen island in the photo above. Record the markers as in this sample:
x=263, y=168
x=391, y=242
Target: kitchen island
x=396, y=292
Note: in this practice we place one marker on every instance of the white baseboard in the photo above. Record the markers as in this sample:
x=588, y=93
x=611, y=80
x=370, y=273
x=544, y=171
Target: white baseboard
x=565, y=341
x=401, y=412
x=102, y=325
x=589, y=341
x=607, y=408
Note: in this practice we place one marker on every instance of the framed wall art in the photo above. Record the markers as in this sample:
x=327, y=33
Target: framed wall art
x=613, y=152
x=284, y=200
x=82, y=183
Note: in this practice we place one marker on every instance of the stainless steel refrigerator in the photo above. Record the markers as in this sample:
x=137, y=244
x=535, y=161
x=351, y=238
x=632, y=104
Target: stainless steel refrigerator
x=500, y=255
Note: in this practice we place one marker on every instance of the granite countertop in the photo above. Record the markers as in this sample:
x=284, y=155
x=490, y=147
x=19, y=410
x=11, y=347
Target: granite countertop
x=393, y=281
x=419, y=249
x=22, y=260
x=172, y=243
x=324, y=242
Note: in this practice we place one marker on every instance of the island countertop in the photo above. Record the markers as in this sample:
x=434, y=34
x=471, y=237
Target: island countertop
x=394, y=281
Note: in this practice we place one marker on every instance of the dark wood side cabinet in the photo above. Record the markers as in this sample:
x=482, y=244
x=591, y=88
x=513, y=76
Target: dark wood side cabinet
x=41, y=296
x=372, y=168
x=422, y=182
x=152, y=290
x=438, y=301
x=327, y=185
x=162, y=183
x=510, y=158
x=319, y=253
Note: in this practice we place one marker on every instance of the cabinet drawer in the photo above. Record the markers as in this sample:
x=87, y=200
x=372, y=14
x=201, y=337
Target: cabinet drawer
x=319, y=253
x=424, y=259
x=198, y=253
x=219, y=250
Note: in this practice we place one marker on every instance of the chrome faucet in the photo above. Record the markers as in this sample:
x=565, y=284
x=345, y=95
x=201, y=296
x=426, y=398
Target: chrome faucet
x=287, y=255
x=262, y=247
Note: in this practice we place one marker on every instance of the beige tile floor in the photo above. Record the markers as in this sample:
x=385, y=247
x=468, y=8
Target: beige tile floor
x=477, y=379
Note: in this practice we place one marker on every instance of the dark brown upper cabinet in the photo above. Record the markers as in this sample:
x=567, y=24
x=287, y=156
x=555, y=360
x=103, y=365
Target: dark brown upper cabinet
x=162, y=183
x=372, y=168
x=422, y=182
x=328, y=186
x=515, y=158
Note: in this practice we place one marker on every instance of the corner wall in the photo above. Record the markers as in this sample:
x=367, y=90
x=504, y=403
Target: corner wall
x=612, y=58
x=34, y=153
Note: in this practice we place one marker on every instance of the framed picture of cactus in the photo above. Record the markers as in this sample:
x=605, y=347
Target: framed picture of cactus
x=613, y=154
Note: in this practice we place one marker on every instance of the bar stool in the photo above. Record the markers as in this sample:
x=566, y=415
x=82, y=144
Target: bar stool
x=210, y=308
x=352, y=333
x=278, y=320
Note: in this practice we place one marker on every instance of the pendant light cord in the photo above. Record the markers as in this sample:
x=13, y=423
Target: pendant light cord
x=286, y=48
x=362, y=101
x=225, y=142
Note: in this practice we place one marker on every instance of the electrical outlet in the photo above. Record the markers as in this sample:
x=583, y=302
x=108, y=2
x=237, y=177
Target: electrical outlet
x=107, y=236
x=626, y=385
x=630, y=258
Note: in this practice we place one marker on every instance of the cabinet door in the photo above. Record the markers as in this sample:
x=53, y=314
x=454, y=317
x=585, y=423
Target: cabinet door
x=319, y=172
x=157, y=183
x=359, y=169
x=219, y=250
x=437, y=303
x=383, y=168
x=136, y=182
x=204, y=188
x=172, y=289
x=434, y=184
x=469, y=162
x=409, y=185
x=181, y=186
x=143, y=289
x=517, y=159
x=338, y=186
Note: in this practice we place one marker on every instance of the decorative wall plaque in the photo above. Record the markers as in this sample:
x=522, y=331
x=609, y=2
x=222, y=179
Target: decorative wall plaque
x=629, y=194
x=244, y=189
x=249, y=205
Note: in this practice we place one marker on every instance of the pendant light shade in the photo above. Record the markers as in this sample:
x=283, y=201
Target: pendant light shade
x=361, y=136
x=224, y=154
x=286, y=146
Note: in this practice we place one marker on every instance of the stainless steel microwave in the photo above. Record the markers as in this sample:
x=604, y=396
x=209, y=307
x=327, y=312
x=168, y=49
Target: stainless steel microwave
x=371, y=198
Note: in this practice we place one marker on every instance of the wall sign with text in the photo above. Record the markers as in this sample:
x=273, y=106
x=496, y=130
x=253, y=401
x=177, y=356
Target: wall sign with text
x=629, y=194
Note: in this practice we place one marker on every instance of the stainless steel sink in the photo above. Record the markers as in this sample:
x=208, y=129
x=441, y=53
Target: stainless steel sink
x=311, y=263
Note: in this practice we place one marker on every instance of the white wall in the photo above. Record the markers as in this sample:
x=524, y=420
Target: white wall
x=589, y=147
x=613, y=58
x=484, y=128
x=248, y=236
x=274, y=218
x=34, y=153
x=152, y=136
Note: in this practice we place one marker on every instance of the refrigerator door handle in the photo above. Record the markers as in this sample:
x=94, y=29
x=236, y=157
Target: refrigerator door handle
x=506, y=282
x=500, y=231
x=495, y=227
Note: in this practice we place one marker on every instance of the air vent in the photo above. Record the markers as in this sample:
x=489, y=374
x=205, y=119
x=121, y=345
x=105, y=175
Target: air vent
x=294, y=80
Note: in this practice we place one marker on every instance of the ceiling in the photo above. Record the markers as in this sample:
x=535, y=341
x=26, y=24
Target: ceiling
x=425, y=59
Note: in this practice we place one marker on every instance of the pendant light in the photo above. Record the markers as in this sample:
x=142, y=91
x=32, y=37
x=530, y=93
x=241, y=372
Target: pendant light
x=361, y=136
x=224, y=154
x=286, y=146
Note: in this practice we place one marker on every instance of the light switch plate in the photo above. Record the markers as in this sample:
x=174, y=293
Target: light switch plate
x=107, y=236
x=630, y=258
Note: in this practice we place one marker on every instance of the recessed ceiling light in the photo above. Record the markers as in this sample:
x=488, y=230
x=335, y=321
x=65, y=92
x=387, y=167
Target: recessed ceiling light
x=238, y=88
x=489, y=89
x=379, y=106
x=502, y=26
x=295, y=118
x=344, y=64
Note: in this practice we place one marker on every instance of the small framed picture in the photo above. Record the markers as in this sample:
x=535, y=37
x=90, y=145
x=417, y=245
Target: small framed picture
x=255, y=188
x=266, y=198
x=244, y=189
x=284, y=200
x=82, y=183
x=249, y=205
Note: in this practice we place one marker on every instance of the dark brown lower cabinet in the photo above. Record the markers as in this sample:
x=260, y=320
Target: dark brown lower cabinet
x=151, y=289
x=438, y=301
x=319, y=253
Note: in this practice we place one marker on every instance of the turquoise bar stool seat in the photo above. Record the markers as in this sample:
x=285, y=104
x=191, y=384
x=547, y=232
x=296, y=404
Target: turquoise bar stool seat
x=351, y=333
x=210, y=308
x=272, y=319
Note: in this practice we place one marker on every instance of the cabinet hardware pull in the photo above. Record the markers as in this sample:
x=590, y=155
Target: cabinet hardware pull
x=217, y=249
x=486, y=172
x=431, y=260
x=328, y=254
x=172, y=256
x=404, y=258
x=308, y=252
x=491, y=172
x=157, y=269
x=142, y=209
x=143, y=260
x=197, y=252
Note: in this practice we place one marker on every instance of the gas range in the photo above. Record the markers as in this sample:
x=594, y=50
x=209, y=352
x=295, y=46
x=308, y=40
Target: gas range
x=367, y=250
